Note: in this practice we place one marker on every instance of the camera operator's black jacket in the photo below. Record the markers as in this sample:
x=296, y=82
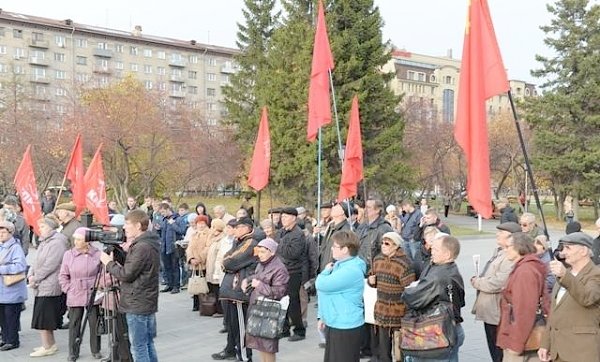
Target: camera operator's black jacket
x=139, y=275
x=238, y=263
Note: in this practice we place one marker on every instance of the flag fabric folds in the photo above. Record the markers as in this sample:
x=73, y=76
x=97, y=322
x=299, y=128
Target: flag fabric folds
x=319, y=106
x=95, y=189
x=352, y=169
x=482, y=76
x=258, y=177
x=27, y=190
x=75, y=174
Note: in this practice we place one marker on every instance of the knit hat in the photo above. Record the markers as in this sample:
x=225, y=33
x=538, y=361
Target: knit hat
x=51, y=221
x=69, y=206
x=9, y=226
x=393, y=236
x=80, y=232
x=217, y=224
x=268, y=243
x=573, y=227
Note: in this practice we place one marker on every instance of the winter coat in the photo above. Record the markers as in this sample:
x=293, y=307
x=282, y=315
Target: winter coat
x=507, y=214
x=410, y=224
x=519, y=302
x=292, y=249
x=340, y=293
x=393, y=274
x=489, y=287
x=238, y=263
x=12, y=261
x=77, y=275
x=573, y=327
x=274, y=279
x=68, y=230
x=225, y=244
x=139, y=275
x=370, y=239
x=326, y=243
x=211, y=258
x=169, y=234
x=596, y=251
x=198, y=247
x=47, y=263
x=433, y=287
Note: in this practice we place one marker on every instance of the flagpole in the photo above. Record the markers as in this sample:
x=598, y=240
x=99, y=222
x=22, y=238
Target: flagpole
x=257, y=219
x=337, y=121
x=528, y=169
x=62, y=186
x=319, y=178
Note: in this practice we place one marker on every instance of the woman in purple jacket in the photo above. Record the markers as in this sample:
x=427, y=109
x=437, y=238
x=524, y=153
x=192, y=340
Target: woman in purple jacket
x=270, y=280
x=78, y=272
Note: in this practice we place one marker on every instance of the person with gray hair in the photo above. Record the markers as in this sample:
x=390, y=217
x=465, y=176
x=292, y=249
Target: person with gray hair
x=220, y=212
x=21, y=228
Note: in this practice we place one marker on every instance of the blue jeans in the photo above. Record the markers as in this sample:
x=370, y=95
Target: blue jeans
x=460, y=339
x=411, y=248
x=142, y=330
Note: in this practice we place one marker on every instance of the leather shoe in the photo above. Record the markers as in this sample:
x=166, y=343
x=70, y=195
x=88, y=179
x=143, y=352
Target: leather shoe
x=223, y=330
x=166, y=289
x=97, y=355
x=296, y=338
x=175, y=291
x=71, y=358
x=8, y=346
x=285, y=334
x=224, y=355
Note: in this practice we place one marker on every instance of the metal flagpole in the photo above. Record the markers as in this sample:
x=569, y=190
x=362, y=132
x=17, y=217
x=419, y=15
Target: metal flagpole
x=528, y=169
x=337, y=120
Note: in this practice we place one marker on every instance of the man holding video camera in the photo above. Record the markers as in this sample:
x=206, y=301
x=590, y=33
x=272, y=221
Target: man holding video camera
x=139, y=284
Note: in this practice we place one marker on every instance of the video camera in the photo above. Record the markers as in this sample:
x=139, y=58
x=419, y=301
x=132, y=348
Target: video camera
x=112, y=241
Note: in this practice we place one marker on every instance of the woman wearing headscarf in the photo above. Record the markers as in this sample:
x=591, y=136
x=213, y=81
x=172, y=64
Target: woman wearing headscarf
x=217, y=232
x=197, y=251
x=270, y=280
x=78, y=272
x=43, y=279
x=12, y=262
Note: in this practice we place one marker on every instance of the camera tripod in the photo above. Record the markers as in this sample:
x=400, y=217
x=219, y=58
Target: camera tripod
x=116, y=329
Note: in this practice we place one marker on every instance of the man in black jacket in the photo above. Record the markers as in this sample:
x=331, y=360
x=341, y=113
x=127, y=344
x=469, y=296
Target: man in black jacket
x=139, y=284
x=293, y=252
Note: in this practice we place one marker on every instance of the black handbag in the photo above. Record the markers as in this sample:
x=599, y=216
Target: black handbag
x=266, y=318
x=101, y=327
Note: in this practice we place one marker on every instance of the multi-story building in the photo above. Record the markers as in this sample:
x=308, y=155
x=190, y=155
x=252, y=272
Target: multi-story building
x=53, y=57
x=429, y=86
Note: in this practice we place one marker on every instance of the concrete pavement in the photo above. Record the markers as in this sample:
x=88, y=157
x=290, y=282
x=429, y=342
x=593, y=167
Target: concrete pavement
x=185, y=336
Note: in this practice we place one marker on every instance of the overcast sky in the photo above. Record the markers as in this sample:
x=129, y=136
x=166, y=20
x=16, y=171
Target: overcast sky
x=420, y=26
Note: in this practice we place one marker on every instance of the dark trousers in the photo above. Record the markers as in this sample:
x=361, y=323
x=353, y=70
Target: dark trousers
x=121, y=349
x=63, y=309
x=75, y=319
x=10, y=320
x=446, y=209
x=214, y=289
x=343, y=345
x=491, y=331
x=384, y=350
x=234, y=326
x=171, y=268
x=294, y=313
x=369, y=342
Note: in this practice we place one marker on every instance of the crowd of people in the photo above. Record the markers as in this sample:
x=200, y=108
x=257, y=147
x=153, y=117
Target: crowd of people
x=404, y=252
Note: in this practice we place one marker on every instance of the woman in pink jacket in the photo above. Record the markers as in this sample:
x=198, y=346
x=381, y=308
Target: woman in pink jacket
x=78, y=272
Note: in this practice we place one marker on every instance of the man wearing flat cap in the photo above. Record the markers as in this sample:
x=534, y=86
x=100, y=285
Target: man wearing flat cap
x=65, y=212
x=293, y=252
x=489, y=285
x=573, y=326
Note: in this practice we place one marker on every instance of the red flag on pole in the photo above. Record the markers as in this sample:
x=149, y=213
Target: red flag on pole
x=27, y=190
x=319, y=106
x=482, y=76
x=258, y=177
x=352, y=170
x=95, y=188
x=75, y=174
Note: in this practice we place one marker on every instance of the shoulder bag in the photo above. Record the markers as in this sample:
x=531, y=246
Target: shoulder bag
x=197, y=283
x=266, y=317
x=429, y=333
x=534, y=340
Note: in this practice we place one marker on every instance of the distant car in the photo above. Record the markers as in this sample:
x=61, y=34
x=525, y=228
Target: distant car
x=586, y=202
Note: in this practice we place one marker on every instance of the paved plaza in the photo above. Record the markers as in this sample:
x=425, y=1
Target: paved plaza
x=183, y=335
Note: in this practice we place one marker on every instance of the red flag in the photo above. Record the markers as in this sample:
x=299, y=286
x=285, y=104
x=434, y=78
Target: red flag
x=27, y=190
x=95, y=188
x=75, y=174
x=352, y=170
x=319, y=106
x=482, y=76
x=258, y=177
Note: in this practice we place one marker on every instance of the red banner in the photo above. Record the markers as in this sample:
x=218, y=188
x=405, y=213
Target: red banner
x=352, y=170
x=95, y=189
x=27, y=190
x=258, y=177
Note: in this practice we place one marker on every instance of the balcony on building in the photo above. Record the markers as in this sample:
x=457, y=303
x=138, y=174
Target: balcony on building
x=227, y=68
x=41, y=97
x=38, y=61
x=36, y=78
x=177, y=94
x=34, y=43
x=102, y=69
x=105, y=53
x=176, y=78
x=177, y=62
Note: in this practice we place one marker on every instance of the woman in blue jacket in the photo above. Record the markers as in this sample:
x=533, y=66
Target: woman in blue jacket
x=12, y=262
x=340, y=291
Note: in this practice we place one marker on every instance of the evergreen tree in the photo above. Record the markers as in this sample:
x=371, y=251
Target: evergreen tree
x=565, y=119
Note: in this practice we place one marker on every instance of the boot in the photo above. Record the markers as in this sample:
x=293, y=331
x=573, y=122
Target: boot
x=196, y=306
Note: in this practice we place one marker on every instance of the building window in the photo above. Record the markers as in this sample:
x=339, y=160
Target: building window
x=176, y=57
x=192, y=74
x=39, y=54
x=211, y=61
x=410, y=75
x=432, y=78
x=37, y=36
x=448, y=79
x=211, y=92
x=225, y=78
x=119, y=48
x=211, y=77
x=147, y=69
x=162, y=86
x=448, y=105
x=133, y=50
x=176, y=72
x=19, y=53
x=161, y=70
x=61, y=74
x=80, y=43
x=134, y=67
x=148, y=53
x=103, y=46
x=18, y=69
x=161, y=54
x=3, y=68
x=211, y=106
x=527, y=92
x=60, y=91
x=421, y=77
x=81, y=60
x=82, y=77
x=192, y=89
x=60, y=108
x=17, y=33
x=193, y=59
x=60, y=41
x=2, y=49
x=148, y=84
x=2, y=31
x=118, y=65
x=59, y=57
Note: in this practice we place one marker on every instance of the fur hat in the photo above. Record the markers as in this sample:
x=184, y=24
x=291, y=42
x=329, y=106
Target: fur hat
x=9, y=226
